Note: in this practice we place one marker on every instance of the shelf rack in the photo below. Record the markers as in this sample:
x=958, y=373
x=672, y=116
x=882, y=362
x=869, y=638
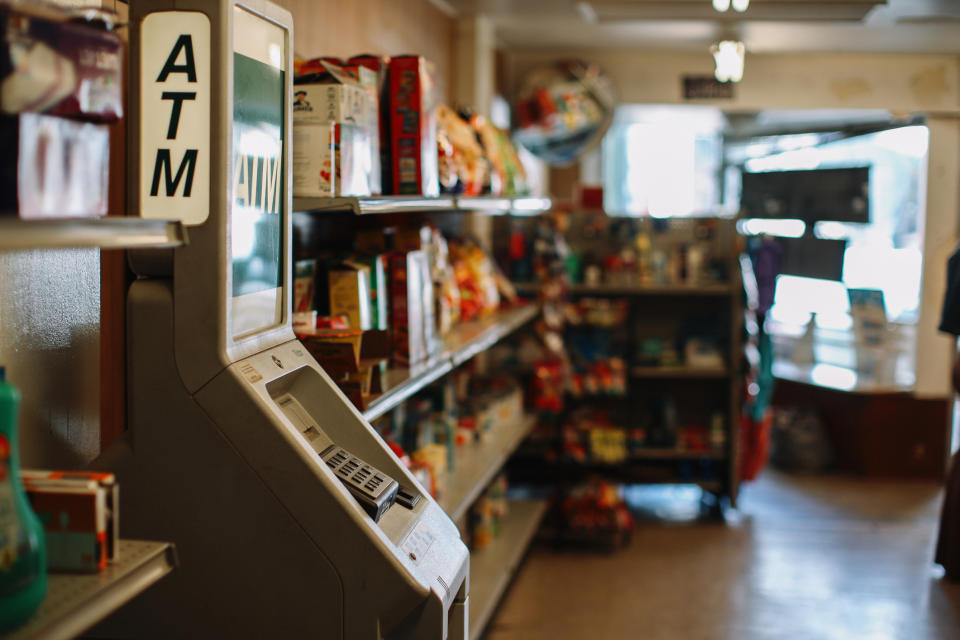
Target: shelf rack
x=106, y=233
x=518, y=205
x=477, y=464
x=492, y=569
x=76, y=602
x=461, y=344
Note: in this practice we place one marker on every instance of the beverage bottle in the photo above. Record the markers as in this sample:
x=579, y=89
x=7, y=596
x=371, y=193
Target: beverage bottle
x=23, y=552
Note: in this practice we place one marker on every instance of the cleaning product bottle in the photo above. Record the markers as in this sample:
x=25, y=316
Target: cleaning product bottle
x=23, y=551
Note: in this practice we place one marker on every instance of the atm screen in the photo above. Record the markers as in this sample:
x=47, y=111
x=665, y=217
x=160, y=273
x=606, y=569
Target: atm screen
x=258, y=206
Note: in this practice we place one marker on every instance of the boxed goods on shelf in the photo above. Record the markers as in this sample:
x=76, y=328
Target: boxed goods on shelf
x=406, y=306
x=80, y=514
x=335, y=133
x=413, y=127
x=380, y=66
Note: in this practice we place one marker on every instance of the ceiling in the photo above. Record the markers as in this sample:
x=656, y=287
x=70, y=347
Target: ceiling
x=768, y=26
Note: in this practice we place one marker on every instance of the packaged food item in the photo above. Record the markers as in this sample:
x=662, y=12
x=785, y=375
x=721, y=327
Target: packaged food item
x=380, y=65
x=406, y=307
x=379, y=291
x=104, y=481
x=475, y=278
x=350, y=293
x=53, y=167
x=75, y=525
x=369, y=81
x=304, y=285
x=464, y=169
x=508, y=175
x=51, y=64
x=413, y=127
x=330, y=160
x=334, y=137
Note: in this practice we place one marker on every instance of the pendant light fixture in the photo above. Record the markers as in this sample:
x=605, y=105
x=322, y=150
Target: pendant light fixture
x=738, y=5
x=729, y=55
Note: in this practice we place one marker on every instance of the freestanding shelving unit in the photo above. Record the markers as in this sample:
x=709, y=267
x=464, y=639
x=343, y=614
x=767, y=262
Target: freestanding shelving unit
x=477, y=463
x=714, y=469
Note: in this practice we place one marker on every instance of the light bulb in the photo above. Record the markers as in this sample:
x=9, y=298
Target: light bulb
x=722, y=5
x=729, y=56
x=741, y=5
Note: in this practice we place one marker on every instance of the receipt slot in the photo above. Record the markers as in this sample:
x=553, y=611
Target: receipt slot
x=291, y=517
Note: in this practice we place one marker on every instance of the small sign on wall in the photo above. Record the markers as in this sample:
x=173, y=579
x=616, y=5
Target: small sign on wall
x=175, y=89
x=706, y=88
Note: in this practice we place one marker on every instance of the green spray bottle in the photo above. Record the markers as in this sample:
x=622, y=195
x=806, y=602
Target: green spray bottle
x=23, y=552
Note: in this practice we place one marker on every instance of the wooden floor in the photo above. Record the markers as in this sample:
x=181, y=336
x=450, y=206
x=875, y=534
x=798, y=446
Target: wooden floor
x=807, y=558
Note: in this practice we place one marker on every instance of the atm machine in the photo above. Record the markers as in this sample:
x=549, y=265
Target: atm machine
x=291, y=517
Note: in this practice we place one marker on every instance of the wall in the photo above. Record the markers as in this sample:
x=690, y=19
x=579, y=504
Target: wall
x=341, y=29
x=49, y=342
x=902, y=83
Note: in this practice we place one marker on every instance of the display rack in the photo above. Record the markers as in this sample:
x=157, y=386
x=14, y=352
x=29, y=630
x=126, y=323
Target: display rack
x=492, y=569
x=106, y=233
x=477, y=464
x=656, y=310
x=520, y=205
x=76, y=602
x=462, y=343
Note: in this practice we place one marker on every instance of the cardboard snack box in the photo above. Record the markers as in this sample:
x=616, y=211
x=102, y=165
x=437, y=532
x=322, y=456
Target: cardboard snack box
x=406, y=308
x=330, y=160
x=413, y=128
x=74, y=520
x=350, y=295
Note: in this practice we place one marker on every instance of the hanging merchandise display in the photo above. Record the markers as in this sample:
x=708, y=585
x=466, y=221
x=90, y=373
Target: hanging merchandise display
x=562, y=110
x=23, y=559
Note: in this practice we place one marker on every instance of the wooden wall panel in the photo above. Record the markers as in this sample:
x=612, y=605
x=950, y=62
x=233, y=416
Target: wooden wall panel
x=344, y=28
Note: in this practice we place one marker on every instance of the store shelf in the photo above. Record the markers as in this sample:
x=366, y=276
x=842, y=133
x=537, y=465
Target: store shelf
x=76, y=602
x=719, y=289
x=400, y=384
x=530, y=206
x=105, y=233
x=520, y=205
x=364, y=206
x=461, y=344
x=489, y=205
x=477, y=464
x=471, y=338
x=492, y=569
x=673, y=373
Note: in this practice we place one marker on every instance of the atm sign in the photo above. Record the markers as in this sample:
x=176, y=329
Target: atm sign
x=175, y=89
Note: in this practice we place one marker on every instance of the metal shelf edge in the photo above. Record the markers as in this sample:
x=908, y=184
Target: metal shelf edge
x=109, y=596
x=366, y=205
x=104, y=233
x=451, y=358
